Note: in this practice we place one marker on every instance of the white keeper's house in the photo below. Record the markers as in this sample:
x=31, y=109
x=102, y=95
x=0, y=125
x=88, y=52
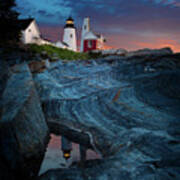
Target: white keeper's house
x=30, y=32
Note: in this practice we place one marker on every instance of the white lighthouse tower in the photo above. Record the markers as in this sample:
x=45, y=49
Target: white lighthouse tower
x=85, y=30
x=70, y=34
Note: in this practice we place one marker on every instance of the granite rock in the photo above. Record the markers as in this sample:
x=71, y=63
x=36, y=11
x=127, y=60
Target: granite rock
x=125, y=109
x=23, y=130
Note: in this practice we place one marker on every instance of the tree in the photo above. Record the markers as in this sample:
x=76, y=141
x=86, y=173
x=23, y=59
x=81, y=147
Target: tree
x=9, y=30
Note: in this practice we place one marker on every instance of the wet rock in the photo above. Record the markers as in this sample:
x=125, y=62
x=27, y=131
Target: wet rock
x=23, y=130
x=126, y=114
x=38, y=66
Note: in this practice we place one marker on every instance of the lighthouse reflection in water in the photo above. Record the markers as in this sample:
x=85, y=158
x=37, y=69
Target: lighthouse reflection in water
x=54, y=157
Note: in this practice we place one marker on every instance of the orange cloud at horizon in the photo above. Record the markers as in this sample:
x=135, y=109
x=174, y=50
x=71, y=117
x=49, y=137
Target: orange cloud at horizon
x=161, y=43
x=133, y=42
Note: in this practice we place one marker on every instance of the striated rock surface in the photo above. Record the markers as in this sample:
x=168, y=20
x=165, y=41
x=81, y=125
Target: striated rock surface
x=126, y=109
x=23, y=130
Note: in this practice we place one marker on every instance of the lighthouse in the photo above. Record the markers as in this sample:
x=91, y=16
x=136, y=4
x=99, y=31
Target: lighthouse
x=69, y=36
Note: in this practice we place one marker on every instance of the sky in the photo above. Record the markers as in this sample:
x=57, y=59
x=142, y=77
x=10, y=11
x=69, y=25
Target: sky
x=128, y=24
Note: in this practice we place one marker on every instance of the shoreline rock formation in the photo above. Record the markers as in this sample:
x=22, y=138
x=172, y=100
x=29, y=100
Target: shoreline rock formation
x=126, y=108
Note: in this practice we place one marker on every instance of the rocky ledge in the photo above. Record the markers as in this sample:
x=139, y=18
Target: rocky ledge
x=126, y=108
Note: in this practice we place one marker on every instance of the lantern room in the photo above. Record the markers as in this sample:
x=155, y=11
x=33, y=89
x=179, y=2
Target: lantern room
x=69, y=23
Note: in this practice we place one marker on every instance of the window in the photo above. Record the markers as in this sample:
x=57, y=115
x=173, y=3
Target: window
x=71, y=35
x=90, y=44
x=85, y=27
x=29, y=30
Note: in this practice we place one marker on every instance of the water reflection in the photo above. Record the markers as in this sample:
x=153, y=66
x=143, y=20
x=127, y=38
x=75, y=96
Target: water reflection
x=54, y=156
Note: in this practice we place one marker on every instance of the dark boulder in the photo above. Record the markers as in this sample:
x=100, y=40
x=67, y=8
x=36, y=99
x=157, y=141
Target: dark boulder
x=4, y=75
x=23, y=130
x=5, y=172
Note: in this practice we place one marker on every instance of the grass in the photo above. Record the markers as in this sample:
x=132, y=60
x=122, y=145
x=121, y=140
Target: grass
x=18, y=53
x=52, y=52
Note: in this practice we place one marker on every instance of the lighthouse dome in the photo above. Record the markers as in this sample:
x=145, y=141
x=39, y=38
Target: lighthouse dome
x=69, y=23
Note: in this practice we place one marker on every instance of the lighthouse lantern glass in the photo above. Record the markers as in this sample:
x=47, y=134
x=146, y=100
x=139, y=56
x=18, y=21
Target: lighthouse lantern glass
x=69, y=22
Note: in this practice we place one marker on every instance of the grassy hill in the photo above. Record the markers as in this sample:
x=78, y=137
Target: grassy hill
x=18, y=53
x=52, y=52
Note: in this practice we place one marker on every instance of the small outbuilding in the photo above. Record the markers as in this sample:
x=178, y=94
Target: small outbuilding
x=89, y=40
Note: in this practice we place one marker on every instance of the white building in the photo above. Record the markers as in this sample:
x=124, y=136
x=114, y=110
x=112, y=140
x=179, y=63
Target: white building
x=90, y=41
x=60, y=44
x=30, y=32
x=69, y=36
x=85, y=30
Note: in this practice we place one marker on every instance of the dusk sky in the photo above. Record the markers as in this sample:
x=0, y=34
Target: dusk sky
x=129, y=24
